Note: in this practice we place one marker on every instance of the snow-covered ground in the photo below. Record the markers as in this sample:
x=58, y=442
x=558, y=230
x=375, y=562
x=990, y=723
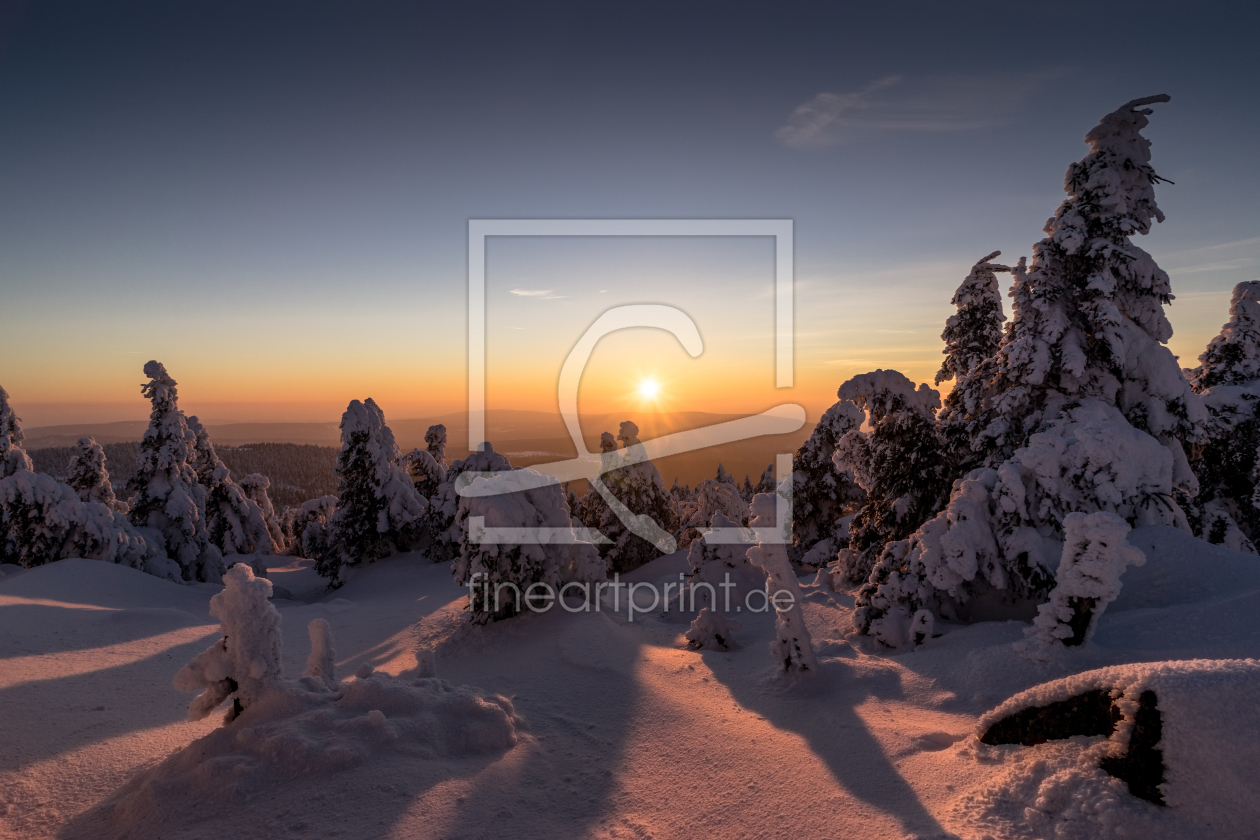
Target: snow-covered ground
x=623, y=732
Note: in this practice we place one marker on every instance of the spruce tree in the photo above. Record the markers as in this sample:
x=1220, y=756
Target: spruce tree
x=165, y=493
x=12, y=456
x=637, y=484
x=975, y=331
x=379, y=511
x=234, y=523
x=88, y=476
x=898, y=463
x=822, y=493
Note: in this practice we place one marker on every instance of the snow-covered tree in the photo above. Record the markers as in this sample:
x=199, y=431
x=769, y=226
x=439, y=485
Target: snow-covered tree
x=999, y=539
x=712, y=497
x=1228, y=377
x=766, y=483
x=975, y=331
x=898, y=463
x=255, y=487
x=379, y=511
x=792, y=649
x=235, y=524
x=165, y=493
x=1089, y=316
x=435, y=444
x=12, y=456
x=88, y=476
x=306, y=528
x=1094, y=557
x=678, y=491
x=715, y=564
x=445, y=530
x=499, y=576
x=43, y=520
x=428, y=466
x=245, y=664
x=636, y=484
x=822, y=493
x=723, y=477
x=746, y=490
x=1082, y=408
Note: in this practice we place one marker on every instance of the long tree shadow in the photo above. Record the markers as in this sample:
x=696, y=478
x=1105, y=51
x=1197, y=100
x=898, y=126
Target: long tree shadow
x=822, y=709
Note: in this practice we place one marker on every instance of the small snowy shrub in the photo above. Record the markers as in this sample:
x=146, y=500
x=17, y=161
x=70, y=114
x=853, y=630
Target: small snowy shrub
x=255, y=488
x=245, y=664
x=1095, y=555
x=711, y=631
x=379, y=511
x=713, y=564
x=712, y=498
x=306, y=527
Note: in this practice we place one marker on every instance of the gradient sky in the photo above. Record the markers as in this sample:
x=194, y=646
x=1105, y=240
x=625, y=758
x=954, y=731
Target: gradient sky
x=272, y=198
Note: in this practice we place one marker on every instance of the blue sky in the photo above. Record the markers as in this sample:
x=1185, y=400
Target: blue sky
x=273, y=198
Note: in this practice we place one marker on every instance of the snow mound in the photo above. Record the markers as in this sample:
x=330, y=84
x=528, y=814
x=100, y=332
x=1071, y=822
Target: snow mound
x=304, y=731
x=1208, y=771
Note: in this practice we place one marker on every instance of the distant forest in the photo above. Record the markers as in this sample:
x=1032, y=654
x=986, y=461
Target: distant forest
x=298, y=472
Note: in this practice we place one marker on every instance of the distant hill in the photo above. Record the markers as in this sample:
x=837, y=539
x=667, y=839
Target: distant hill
x=526, y=437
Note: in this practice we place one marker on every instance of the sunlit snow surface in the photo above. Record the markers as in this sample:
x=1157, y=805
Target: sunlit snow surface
x=626, y=733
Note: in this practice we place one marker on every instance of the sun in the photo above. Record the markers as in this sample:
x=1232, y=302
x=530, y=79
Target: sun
x=649, y=389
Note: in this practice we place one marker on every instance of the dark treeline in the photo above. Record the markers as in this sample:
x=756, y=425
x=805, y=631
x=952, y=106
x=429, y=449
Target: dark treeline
x=297, y=471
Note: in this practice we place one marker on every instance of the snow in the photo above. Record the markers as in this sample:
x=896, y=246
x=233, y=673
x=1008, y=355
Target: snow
x=619, y=718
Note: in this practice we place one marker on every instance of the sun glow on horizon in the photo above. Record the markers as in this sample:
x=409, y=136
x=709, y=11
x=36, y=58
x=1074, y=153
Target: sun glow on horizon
x=649, y=389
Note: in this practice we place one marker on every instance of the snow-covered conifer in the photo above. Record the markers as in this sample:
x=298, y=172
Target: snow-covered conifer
x=43, y=520
x=306, y=528
x=234, y=523
x=245, y=664
x=88, y=476
x=792, y=649
x=715, y=564
x=255, y=487
x=165, y=493
x=1228, y=378
x=499, y=576
x=822, y=493
x=723, y=477
x=379, y=511
x=712, y=497
x=445, y=529
x=746, y=490
x=766, y=483
x=435, y=444
x=898, y=463
x=637, y=484
x=12, y=456
x=1095, y=555
x=425, y=471
x=975, y=331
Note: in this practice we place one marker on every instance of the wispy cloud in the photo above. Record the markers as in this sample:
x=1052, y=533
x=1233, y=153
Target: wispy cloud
x=541, y=294
x=908, y=104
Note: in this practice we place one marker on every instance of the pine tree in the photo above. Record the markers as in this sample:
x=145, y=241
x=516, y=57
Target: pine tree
x=12, y=456
x=165, y=494
x=255, y=488
x=822, y=493
x=379, y=511
x=499, y=576
x=899, y=464
x=88, y=476
x=1228, y=378
x=234, y=522
x=637, y=484
x=443, y=526
x=1081, y=410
